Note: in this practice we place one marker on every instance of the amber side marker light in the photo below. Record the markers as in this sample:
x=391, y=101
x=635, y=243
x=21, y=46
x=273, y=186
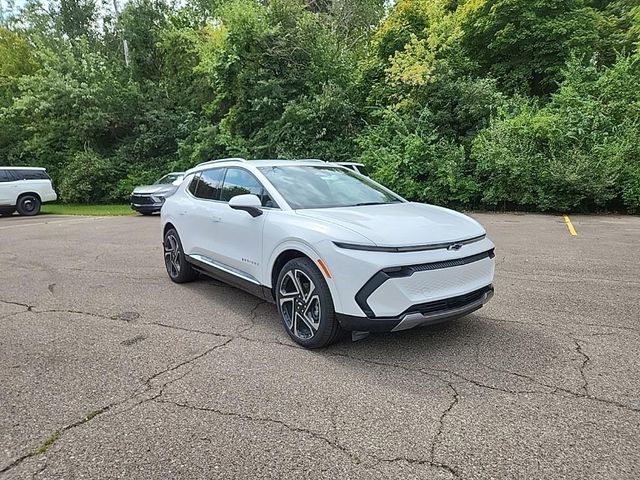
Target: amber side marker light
x=324, y=268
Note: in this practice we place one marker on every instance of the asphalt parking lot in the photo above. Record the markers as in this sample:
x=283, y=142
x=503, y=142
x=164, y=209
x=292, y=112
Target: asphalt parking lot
x=108, y=370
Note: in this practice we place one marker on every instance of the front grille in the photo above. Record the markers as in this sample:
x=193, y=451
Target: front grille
x=452, y=263
x=142, y=200
x=449, y=303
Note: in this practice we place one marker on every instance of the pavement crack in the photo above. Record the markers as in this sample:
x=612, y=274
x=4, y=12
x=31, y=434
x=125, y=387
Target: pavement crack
x=56, y=435
x=252, y=317
x=73, y=312
x=556, y=389
x=418, y=461
x=51, y=440
x=485, y=385
x=147, y=383
x=37, y=311
x=433, y=373
x=332, y=443
x=552, y=389
x=19, y=304
x=583, y=366
x=443, y=416
x=191, y=330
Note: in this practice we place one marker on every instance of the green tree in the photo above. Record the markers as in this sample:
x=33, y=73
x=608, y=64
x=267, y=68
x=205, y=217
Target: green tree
x=525, y=44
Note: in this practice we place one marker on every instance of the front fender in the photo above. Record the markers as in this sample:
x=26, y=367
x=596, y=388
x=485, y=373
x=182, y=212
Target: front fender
x=310, y=251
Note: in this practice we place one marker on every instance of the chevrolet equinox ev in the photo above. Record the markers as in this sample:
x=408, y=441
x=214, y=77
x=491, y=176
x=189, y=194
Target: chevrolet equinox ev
x=333, y=249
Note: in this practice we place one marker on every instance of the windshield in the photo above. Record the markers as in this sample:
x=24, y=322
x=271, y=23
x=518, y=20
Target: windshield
x=175, y=178
x=324, y=187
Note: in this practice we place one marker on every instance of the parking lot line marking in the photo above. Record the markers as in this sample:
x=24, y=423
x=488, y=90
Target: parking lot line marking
x=572, y=230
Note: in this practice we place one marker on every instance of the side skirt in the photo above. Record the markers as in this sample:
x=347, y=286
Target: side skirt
x=258, y=290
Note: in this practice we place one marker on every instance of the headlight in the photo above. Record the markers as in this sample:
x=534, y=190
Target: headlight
x=157, y=199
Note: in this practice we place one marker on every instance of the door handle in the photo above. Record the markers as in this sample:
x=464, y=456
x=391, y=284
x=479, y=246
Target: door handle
x=216, y=219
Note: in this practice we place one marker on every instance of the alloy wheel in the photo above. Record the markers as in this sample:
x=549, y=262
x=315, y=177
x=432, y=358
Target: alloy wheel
x=300, y=304
x=172, y=255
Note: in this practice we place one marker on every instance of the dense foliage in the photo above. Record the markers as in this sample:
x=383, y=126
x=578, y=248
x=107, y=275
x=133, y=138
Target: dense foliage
x=531, y=104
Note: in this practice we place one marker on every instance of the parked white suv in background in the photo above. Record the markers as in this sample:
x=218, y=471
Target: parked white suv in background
x=332, y=248
x=24, y=189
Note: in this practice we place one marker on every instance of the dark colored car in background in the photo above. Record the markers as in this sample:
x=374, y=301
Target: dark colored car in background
x=149, y=199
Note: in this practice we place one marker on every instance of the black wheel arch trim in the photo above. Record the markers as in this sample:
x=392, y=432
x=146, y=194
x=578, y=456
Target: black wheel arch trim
x=406, y=271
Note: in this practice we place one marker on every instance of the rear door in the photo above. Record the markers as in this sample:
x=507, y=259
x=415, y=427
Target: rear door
x=7, y=187
x=200, y=219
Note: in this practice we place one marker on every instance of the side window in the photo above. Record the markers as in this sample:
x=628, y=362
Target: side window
x=241, y=182
x=194, y=184
x=209, y=184
x=31, y=174
x=5, y=176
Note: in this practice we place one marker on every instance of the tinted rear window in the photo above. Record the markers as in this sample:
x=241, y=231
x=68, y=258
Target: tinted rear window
x=30, y=175
x=5, y=176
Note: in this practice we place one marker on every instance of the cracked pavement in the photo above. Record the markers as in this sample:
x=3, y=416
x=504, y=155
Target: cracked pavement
x=108, y=370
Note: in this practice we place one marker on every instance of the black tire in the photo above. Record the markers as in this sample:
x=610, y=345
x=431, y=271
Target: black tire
x=146, y=214
x=178, y=269
x=28, y=205
x=306, y=326
x=6, y=211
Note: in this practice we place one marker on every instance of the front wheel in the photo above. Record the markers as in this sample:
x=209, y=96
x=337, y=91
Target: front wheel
x=305, y=304
x=28, y=205
x=179, y=270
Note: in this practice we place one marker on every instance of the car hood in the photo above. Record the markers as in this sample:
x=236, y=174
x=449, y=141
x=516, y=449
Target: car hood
x=155, y=189
x=401, y=224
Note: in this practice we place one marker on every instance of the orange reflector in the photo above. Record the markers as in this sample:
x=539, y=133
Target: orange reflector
x=324, y=268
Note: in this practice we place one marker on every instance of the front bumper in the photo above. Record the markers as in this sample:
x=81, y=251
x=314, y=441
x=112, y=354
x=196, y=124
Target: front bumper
x=146, y=203
x=379, y=291
x=429, y=313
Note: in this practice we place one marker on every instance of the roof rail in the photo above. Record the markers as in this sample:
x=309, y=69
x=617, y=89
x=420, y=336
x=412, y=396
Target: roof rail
x=222, y=160
x=310, y=160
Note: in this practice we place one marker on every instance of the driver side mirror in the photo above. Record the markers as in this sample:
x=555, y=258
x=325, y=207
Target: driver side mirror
x=249, y=203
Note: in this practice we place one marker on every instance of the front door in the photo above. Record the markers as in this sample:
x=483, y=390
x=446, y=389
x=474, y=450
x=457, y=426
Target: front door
x=240, y=234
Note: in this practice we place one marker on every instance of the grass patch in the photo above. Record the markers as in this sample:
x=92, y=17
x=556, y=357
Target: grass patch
x=84, y=209
x=48, y=443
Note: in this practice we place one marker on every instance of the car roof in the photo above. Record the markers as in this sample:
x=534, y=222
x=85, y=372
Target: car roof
x=259, y=163
x=357, y=164
x=22, y=168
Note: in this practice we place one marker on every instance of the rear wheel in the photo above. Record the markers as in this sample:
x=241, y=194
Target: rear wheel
x=28, y=205
x=179, y=270
x=305, y=304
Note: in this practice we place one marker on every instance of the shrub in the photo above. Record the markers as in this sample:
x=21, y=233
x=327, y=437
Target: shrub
x=409, y=156
x=87, y=178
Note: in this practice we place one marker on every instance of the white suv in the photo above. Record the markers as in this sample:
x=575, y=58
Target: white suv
x=332, y=248
x=24, y=189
